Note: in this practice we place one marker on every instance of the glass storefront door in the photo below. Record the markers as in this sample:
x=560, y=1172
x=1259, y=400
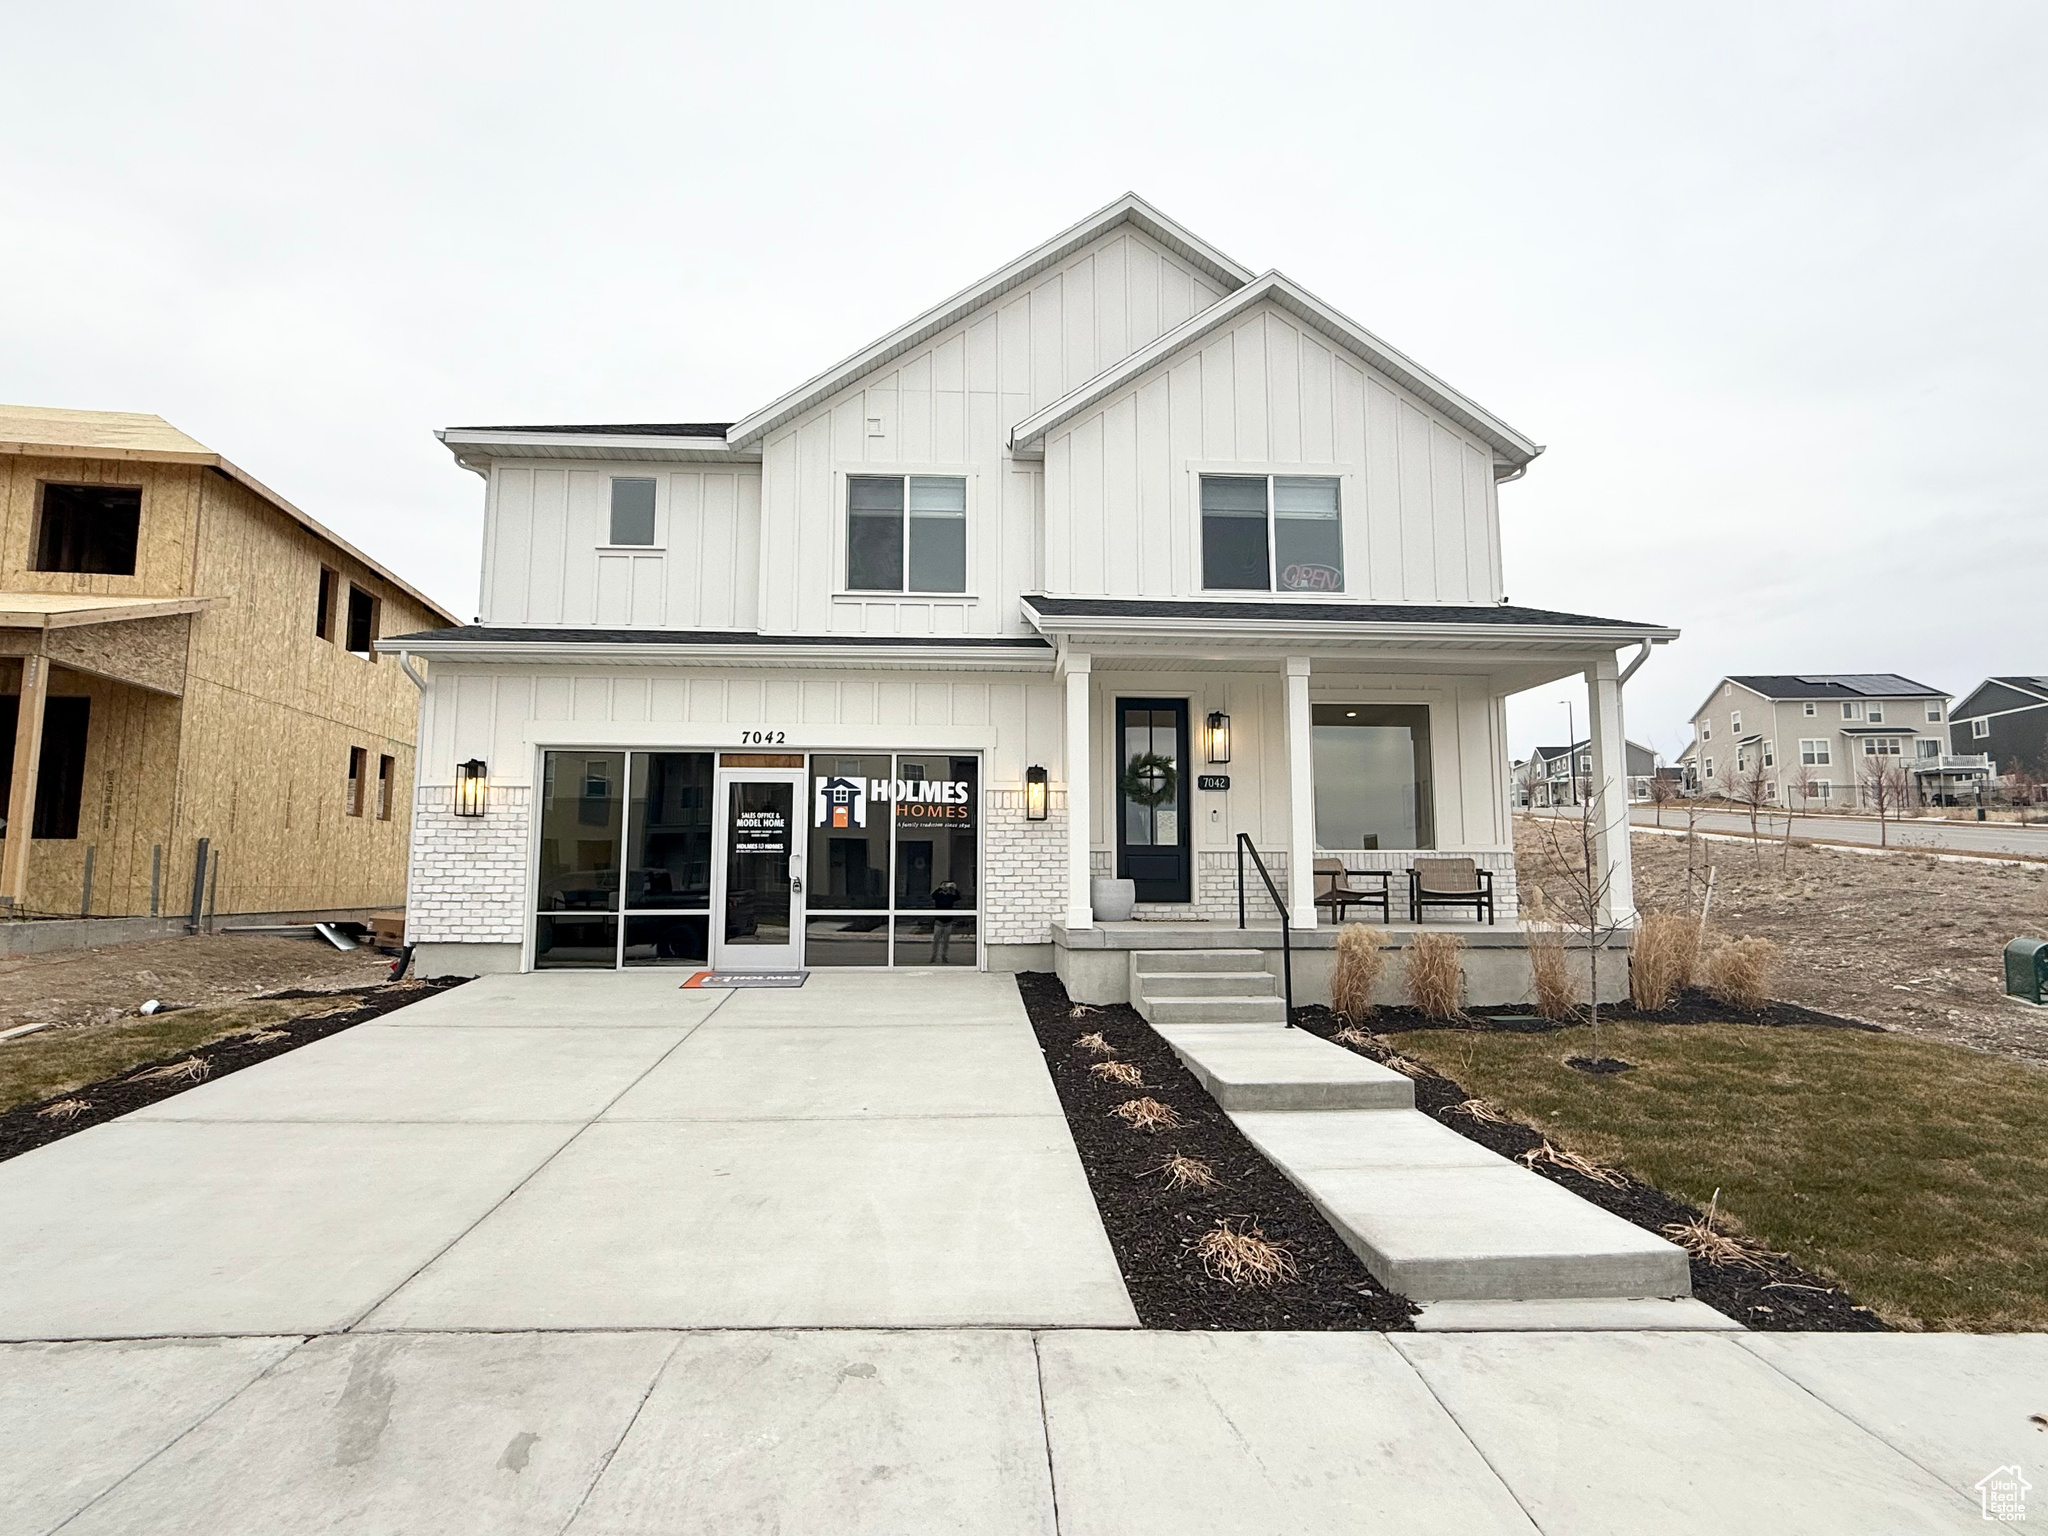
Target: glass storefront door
x=762, y=886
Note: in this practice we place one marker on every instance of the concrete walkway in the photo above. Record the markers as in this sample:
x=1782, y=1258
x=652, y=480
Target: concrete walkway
x=993, y=1431
x=578, y=1151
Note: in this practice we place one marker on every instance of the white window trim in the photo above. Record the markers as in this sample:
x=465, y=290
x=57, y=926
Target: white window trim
x=1735, y=722
x=1980, y=728
x=660, y=544
x=1933, y=712
x=842, y=534
x=1810, y=709
x=1337, y=472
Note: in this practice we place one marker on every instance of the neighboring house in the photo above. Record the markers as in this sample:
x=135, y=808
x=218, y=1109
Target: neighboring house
x=1549, y=777
x=1816, y=740
x=1118, y=554
x=189, y=662
x=2006, y=719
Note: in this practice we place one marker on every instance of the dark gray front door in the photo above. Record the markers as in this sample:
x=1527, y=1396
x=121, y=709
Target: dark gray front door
x=1152, y=797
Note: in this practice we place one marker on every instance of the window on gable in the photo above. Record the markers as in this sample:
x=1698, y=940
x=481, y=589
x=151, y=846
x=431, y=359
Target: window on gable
x=90, y=529
x=1979, y=729
x=1735, y=722
x=1272, y=533
x=1770, y=756
x=1706, y=730
x=632, y=511
x=323, y=616
x=906, y=533
x=362, y=622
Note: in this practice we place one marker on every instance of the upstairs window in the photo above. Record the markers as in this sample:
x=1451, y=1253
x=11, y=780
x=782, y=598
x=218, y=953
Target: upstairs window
x=89, y=529
x=1272, y=533
x=1808, y=709
x=1814, y=753
x=632, y=512
x=1979, y=729
x=357, y=761
x=1927, y=746
x=1876, y=714
x=1735, y=723
x=362, y=621
x=906, y=533
x=1706, y=730
x=1933, y=711
x=387, y=771
x=323, y=616
x=1851, y=710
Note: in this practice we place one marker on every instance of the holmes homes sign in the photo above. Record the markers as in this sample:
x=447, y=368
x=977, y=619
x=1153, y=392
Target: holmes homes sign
x=843, y=802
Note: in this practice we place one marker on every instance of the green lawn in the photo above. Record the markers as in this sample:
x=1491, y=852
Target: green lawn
x=57, y=1060
x=1914, y=1173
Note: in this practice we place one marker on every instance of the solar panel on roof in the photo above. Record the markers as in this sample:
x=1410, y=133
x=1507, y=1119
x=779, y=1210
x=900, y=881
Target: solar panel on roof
x=1877, y=683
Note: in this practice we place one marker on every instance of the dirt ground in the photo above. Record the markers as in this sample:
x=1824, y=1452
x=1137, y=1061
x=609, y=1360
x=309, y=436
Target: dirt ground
x=1909, y=941
x=96, y=986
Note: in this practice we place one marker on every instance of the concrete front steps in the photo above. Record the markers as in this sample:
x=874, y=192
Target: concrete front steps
x=1433, y=1216
x=1205, y=986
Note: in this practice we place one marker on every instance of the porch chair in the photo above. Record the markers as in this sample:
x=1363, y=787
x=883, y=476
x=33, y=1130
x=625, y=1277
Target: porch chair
x=1333, y=890
x=1450, y=883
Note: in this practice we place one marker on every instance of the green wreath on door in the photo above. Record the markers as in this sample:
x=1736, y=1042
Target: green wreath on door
x=1150, y=780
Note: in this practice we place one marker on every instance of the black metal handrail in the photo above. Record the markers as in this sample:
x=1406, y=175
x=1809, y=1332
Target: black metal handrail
x=1244, y=846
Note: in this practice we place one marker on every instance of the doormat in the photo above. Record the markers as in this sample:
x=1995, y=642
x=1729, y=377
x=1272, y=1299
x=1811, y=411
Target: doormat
x=747, y=979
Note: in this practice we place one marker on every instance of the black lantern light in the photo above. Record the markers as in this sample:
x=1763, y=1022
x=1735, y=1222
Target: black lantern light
x=471, y=786
x=1219, y=737
x=1036, y=793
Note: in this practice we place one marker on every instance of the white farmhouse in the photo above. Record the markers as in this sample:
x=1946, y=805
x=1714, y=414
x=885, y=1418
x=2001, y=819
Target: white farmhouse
x=1117, y=559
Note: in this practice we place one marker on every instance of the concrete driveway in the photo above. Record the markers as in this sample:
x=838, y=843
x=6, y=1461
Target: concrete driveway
x=585, y=1151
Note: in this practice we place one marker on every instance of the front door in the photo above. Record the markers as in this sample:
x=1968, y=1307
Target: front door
x=1152, y=830
x=757, y=916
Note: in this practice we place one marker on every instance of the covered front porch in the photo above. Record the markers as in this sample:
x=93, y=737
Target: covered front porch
x=1214, y=735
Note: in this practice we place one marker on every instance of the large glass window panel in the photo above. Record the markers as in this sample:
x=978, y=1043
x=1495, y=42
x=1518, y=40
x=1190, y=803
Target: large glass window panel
x=575, y=941
x=874, y=533
x=668, y=832
x=1234, y=555
x=847, y=939
x=668, y=938
x=938, y=815
x=581, y=821
x=1308, y=534
x=632, y=511
x=1371, y=768
x=1152, y=733
x=848, y=869
x=938, y=533
x=935, y=939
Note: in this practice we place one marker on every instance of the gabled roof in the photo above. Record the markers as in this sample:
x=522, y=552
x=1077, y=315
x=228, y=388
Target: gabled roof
x=1510, y=447
x=1128, y=209
x=1837, y=685
x=136, y=437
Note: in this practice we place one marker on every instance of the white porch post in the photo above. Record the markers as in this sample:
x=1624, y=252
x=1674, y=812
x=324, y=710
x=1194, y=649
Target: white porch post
x=1080, y=900
x=1301, y=805
x=1610, y=783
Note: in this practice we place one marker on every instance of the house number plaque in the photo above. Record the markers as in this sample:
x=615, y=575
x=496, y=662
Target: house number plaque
x=1212, y=781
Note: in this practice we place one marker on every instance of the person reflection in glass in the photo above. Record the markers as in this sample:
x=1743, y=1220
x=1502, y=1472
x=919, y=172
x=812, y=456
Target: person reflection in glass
x=944, y=896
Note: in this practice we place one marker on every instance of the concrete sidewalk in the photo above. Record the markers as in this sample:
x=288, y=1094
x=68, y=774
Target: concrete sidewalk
x=991, y=1431
x=574, y=1152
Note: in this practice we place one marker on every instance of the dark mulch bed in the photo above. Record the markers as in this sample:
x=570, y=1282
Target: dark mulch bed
x=1778, y=1296
x=1693, y=1007
x=23, y=1129
x=1151, y=1227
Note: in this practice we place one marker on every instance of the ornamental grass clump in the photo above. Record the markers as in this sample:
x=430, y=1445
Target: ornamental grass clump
x=1739, y=972
x=1550, y=974
x=1183, y=1172
x=1558, y=1157
x=1238, y=1253
x=64, y=1109
x=1148, y=1114
x=191, y=1070
x=1435, y=974
x=1703, y=1240
x=1122, y=1072
x=1094, y=1043
x=1361, y=960
x=1660, y=959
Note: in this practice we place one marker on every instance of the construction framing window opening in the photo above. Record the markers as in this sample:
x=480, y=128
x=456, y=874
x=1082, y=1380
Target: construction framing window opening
x=1371, y=767
x=387, y=769
x=88, y=529
x=60, y=766
x=323, y=616
x=357, y=761
x=362, y=622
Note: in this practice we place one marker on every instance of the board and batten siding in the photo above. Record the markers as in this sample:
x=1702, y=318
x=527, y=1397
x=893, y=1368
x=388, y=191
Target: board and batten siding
x=1122, y=516
x=547, y=560
x=947, y=407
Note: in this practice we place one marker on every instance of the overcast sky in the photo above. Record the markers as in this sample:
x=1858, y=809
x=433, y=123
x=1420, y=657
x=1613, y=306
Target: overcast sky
x=1766, y=279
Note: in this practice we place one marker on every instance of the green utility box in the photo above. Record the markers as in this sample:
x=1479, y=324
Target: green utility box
x=2026, y=970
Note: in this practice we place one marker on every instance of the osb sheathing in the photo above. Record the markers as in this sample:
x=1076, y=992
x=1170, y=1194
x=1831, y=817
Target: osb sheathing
x=255, y=755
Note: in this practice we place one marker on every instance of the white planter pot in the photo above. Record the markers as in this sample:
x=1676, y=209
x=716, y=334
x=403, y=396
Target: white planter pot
x=1113, y=900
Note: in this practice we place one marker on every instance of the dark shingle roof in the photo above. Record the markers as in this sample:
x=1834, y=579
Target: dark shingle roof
x=1836, y=685
x=1315, y=613
x=623, y=429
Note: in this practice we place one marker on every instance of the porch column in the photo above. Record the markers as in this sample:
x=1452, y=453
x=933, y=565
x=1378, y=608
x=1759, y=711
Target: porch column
x=1080, y=900
x=1610, y=784
x=1301, y=803
x=21, y=791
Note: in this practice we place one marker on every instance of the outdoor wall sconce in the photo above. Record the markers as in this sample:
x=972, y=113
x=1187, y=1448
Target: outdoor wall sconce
x=1036, y=793
x=1219, y=737
x=471, y=781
